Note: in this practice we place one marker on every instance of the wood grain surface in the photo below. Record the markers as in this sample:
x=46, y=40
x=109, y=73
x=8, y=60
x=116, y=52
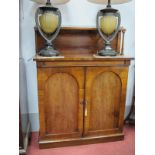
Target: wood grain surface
x=81, y=96
x=80, y=40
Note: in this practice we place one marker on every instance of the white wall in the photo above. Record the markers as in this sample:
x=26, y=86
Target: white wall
x=78, y=13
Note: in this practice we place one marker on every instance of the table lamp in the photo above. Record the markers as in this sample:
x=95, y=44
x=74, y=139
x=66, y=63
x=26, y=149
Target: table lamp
x=48, y=22
x=108, y=23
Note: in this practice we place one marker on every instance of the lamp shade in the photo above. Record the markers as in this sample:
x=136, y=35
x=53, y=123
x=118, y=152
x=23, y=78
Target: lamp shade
x=106, y=1
x=56, y=2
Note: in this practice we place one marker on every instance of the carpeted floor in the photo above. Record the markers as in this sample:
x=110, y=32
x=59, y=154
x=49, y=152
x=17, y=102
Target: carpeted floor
x=125, y=147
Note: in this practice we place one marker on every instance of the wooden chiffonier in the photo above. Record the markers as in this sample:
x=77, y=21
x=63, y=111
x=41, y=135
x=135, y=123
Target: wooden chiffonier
x=81, y=96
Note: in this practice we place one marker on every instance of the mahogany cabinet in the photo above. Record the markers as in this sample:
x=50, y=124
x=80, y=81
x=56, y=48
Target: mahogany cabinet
x=81, y=96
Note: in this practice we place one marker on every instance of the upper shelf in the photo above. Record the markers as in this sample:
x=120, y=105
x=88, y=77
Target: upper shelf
x=75, y=40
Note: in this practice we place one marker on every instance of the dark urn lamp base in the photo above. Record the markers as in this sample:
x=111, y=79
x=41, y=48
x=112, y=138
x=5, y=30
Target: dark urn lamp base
x=107, y=51
x=49, y=51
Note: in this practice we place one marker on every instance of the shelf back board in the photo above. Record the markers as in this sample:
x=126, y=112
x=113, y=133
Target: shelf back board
x=74, y=40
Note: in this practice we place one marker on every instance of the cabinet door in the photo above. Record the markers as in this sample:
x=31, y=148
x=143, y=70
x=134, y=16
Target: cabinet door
x=105, y=100
x=61, y=93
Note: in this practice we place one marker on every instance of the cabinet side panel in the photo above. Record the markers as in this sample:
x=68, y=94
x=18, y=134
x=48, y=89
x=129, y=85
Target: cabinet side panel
x=61, y=104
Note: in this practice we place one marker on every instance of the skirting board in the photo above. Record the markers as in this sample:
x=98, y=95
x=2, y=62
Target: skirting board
x=34, y=120
x=26, y=141
x=81, y=141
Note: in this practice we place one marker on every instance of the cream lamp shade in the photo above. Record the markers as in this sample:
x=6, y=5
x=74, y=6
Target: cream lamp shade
x=112, y=1
x=56, y=2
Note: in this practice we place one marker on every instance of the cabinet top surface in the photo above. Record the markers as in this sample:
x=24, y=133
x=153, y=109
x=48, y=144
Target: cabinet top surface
x=82, y=57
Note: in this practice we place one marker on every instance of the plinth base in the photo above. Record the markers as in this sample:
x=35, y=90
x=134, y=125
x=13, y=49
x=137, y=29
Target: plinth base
x=107, y=53
x=49, y=52
x=80, y=141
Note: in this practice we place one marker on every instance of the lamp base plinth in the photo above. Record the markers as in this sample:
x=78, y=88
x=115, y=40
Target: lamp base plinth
x=107, y=50
x=107, y=53
x=49, y=51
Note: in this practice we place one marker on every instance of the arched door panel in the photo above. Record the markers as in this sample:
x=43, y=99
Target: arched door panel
x=61, y=111
x=104, y=99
